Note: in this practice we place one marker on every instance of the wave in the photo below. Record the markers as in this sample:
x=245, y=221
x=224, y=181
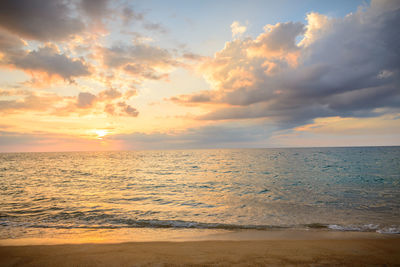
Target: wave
x=180, y=224
x=392, y=229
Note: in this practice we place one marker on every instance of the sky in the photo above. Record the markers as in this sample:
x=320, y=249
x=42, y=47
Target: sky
x=93, y=75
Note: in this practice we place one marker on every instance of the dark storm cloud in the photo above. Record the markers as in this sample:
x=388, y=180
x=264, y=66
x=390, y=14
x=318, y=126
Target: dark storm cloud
x=347, y=67
x=43, y=20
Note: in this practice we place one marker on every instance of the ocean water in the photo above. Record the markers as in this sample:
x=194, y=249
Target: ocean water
x=336, y=189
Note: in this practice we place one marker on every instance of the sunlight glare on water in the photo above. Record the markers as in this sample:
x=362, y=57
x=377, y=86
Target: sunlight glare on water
x=336, y=188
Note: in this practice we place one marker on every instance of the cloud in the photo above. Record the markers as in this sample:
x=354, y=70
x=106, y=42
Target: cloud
x=11, y=141
x=67, y=28
x=5, y=126
x=28, y=102
x=144, y=71
x=10, y=43
x=384, y=125
x=128, y=14
x=131, y=111
x=109, y=109
x=192, y=56
x=128, y=110
x=94, y=12
x=49, y=60
x=110, y=94
x=336, y=131
x=85, y=100
x=46, y=59
x=63, y=20
x=111, y=101
x=279, y=39
x=293, y=73
x=237, y=29
x=95, y=8
x=43, y=20
x=119, y=55
x=157, y=27
x=141, y=61
x=213, y=136
x=193, y=99
x=130, y=93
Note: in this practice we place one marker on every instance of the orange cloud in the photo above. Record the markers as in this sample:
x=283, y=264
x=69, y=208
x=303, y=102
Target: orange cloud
x=108, y=101
x=237, y=29
x=385, y=124
x=292, y=73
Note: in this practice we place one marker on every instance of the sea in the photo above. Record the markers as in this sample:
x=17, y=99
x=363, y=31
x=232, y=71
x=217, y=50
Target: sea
x=74, y=194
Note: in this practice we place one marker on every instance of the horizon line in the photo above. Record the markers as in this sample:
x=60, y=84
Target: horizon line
x=215, y=148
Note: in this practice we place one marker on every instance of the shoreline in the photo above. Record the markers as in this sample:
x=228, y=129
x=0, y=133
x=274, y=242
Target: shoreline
x=129, y=235
x=260, y=248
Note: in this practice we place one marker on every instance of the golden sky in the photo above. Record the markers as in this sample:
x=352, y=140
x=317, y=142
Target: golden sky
x=122, y=75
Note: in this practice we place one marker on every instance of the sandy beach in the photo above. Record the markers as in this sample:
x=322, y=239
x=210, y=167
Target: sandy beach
x=349, y=252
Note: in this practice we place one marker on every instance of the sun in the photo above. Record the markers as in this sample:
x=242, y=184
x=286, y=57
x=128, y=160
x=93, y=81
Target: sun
x=101, y=133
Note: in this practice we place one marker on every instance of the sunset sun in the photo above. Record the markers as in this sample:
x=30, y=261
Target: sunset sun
x=100, y=133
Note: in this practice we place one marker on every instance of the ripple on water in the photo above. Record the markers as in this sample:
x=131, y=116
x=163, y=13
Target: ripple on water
x=338, y=189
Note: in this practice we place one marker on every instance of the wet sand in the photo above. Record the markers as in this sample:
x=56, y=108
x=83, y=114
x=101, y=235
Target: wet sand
x=349, y=252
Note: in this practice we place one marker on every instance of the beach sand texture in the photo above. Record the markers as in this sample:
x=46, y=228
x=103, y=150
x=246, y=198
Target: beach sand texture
x=353, y=252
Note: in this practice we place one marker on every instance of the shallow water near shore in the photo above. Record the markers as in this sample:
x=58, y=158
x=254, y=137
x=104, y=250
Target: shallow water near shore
x=129, y=235
x=92, y=193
